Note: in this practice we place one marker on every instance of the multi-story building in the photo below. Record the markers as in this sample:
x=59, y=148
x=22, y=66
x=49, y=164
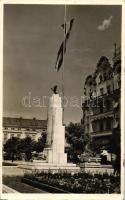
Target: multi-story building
x=101, y=106
x=21, y=128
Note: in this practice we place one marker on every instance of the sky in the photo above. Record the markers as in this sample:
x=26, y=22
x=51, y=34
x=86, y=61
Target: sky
x=32, y=36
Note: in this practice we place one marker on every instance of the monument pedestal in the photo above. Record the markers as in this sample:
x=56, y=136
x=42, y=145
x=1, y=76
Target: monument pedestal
x=94, y=167
x=46, y=167
x=55, y=157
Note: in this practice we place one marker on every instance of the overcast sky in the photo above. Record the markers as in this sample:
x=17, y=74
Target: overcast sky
x=32, y=36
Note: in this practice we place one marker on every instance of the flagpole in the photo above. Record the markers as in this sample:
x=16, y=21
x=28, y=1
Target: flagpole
x=64, y=46
x=60, y=61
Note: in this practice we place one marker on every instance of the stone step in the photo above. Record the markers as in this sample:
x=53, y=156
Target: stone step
x=55, y=168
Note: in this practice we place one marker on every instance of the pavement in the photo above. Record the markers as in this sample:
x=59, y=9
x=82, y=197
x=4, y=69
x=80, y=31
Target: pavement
x=12, y=171
x=7, y=189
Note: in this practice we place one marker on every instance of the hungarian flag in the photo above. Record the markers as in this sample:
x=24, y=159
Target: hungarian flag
x=67, y=30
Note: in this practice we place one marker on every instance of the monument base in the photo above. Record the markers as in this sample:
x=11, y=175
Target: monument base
x=96, y=168
x=55, y=157
x=42, y=166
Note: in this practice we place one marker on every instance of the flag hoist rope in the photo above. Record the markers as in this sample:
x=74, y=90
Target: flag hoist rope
x=64, y=46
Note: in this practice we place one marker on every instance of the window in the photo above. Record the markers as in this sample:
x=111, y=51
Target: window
x=119, y=84
x=101, y=106
x=108, y=105
x=95, y=83
x=100, y=77
x=104, y=76
x=28, y=136
x=5, y=136
x=18, y=135
x=12, y=135
x=108, y=89
x=94, y=126
x=109, y=75
x=90, y=83
x=90, y=94
x=101, y=91
x=101, y=125
x=109, y=124
x=88, y=127
x=119, y=69
x=33, y=136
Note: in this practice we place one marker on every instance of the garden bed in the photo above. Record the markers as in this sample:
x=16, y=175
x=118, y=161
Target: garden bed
x=74, y=183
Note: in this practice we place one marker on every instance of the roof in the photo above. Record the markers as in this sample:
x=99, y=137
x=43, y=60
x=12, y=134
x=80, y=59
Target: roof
x=24, y=123
x=103, y=63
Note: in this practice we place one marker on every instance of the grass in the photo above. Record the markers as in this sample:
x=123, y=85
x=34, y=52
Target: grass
x=15, y=183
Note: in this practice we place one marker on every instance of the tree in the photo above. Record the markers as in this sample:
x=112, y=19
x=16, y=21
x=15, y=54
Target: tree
x=11, y=147
x=78, y=140
x=40, y=144
x=15, y=147
x=116, y=148
x=27, y=146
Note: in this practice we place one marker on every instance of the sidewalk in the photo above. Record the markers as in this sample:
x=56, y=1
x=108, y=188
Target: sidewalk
x=7, y=189
x=12, y=171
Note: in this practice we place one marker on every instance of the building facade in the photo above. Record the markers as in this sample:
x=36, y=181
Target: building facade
x=101, y=106
x=22, y=128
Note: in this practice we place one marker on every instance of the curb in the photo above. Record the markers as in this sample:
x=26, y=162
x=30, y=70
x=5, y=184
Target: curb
x=43, y=186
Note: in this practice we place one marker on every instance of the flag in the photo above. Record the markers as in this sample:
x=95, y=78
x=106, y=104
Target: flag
x=62, y=49
x=67, y=33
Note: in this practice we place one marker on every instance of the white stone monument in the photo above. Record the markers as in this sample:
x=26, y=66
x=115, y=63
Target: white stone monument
x=56, y=158
x=55, y=152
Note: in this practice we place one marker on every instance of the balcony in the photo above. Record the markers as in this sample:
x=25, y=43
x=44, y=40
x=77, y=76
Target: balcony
x=102, y=115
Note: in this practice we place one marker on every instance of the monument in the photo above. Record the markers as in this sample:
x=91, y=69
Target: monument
x=56, y=158
x=55, y=152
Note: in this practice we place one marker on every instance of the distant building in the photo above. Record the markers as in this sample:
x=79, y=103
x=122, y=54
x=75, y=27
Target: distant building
x=21, y=128
x=101, y=105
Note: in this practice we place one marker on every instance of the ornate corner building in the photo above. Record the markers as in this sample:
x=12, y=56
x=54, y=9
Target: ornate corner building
x=101, y=105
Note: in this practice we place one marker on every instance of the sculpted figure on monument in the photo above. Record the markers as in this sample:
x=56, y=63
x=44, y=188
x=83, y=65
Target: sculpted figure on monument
x=54, y=89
